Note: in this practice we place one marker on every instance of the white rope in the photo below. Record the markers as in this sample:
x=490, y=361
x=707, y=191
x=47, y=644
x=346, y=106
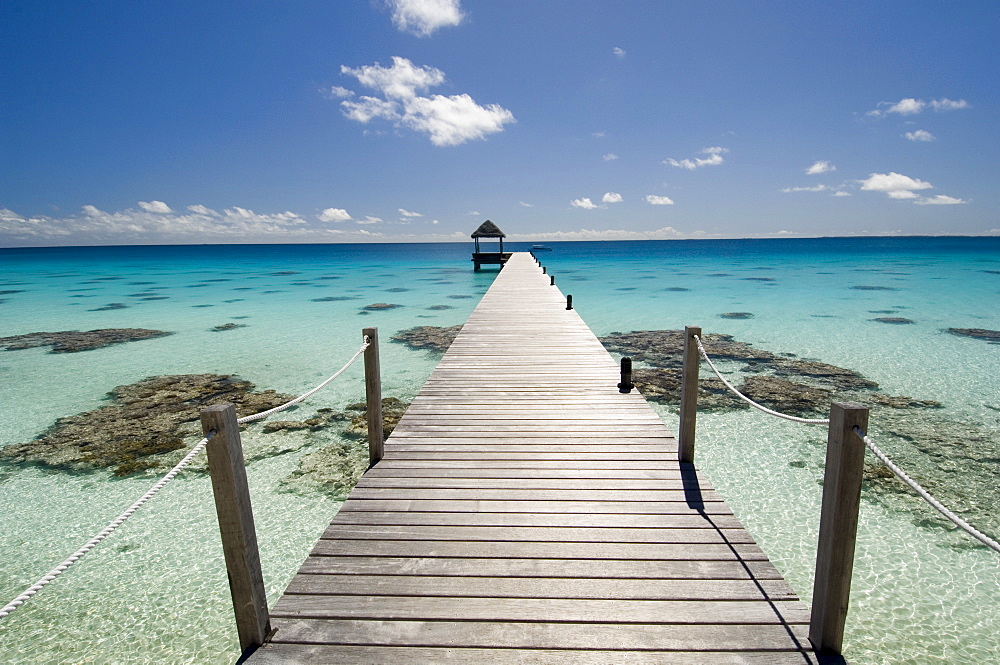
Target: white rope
x=926, y=496
x=108, y=530
x=808, y=421
x=118, y=521
x=265, y=414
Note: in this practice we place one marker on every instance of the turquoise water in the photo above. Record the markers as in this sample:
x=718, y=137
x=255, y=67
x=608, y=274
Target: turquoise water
x=156, y=590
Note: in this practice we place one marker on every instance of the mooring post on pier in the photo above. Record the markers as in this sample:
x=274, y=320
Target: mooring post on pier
x=838, y=526
x=373, y=396
x=239, y=537
x=626, y=384
x=689, y=395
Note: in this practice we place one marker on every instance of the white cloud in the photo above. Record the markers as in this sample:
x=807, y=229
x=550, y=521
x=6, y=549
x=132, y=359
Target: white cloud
x=894, y=185
x=919, y=135
x=655, y=200
x=816, y=188
x=409, y=213
x=423, y=17
x=584, y=203
x=89, y=211
x=473, y=213
x=940, y=199
x=714, y=159
x=202, y=210
x=599, y=135
x=526, y=205
x=841, y=193
x=336, y=92
x=665, y=233
x=822, y=166
x=155, y=206
x=946, y=104
x=334, y=215
x=620, y=52
x=611, y=197
x=610, y=157
x=369, y=220
x=911, y=106
x=435, y=222
x=448, y=120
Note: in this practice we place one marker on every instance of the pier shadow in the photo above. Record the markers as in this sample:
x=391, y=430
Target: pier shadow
x=696, y=501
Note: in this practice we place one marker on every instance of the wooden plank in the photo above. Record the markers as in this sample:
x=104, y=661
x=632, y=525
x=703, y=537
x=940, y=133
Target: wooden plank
x=714, y=637
x=623, y=521
x=541, y=609
x=550, y=568
x=539, y=550
x=308, y=654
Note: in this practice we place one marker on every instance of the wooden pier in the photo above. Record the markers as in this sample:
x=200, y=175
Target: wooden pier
x=526, y=511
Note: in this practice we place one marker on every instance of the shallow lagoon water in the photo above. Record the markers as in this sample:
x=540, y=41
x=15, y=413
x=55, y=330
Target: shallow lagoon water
x=156, y=590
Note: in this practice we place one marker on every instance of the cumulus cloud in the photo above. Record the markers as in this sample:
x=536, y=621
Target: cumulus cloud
x=816, y=188
x=665, y=233
x=894, y=185
x=620, y=52
x=655, y=200
x=155, y=206
x=611, y=197
x=584, y=203
x=714, y=159
x=334, y=215
x=841, y=192
x=940, y=200
x=609, y=157
x=336, y=92
x=447, y=120
x=423, y=17
x=912, y=106
x=919, y=135
x=822, y=166
x=369, y=220
x=409, y=213
x=202, y=210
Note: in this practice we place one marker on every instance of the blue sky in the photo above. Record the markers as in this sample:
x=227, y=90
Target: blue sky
x=407, y=120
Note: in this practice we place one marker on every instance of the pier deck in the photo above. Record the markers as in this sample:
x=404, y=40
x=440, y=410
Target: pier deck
x=527, y=512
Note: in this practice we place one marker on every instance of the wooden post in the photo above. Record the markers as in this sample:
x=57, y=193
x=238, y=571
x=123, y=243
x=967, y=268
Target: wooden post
x=373, y=396
x=838, y=526
x=239, y=538
x=626, y=384
x=569, y=302
x=544, y=270
x=552, y=280
x=689, y=395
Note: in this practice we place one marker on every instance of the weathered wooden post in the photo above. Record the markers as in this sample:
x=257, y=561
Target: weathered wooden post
x=373, y=396
x=838, y=526
x=239, y=537
x=689, y=395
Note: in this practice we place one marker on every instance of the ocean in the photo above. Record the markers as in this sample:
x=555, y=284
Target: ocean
x=286, y=316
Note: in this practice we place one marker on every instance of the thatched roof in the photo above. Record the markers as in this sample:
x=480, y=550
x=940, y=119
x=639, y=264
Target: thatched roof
x=488, y=230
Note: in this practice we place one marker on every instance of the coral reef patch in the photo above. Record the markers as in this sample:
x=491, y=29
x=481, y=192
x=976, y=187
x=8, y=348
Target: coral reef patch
x=74, y=341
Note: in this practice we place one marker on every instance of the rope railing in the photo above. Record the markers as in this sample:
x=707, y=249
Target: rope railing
x=170, y=475
x=899, y=473
x=808, y=421
x=925, y=495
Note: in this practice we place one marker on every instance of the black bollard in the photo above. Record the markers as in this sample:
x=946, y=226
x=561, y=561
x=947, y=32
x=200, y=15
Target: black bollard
x=552, y=280
x=569, y=302
x=626, y=385
x=544, y=270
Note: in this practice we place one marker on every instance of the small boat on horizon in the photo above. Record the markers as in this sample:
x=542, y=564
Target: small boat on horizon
x=540, y=248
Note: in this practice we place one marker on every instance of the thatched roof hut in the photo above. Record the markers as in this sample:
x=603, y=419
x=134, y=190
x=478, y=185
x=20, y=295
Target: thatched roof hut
x=488, y=230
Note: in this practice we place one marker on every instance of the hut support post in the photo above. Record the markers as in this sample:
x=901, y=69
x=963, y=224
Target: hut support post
x=689, y=395
x=838, y=526
x=373, y=396
x=239, y=537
